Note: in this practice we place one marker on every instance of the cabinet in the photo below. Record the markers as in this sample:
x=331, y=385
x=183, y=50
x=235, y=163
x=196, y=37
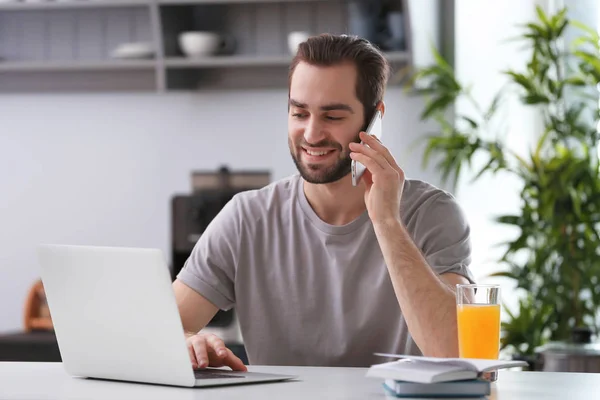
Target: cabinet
x=66, y=46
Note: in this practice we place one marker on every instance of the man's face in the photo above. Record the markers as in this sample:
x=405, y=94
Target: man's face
x=324, y=117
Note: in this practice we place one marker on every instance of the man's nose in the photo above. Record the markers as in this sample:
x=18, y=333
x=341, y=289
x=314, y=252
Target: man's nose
x=314, y=132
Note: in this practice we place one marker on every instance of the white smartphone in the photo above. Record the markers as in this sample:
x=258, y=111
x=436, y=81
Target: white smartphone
x=374, y=129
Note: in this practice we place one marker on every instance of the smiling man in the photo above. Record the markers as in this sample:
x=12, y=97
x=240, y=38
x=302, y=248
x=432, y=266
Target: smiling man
x=322, y=272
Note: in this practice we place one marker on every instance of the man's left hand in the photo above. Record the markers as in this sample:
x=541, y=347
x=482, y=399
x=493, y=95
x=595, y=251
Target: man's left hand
x=383, y=178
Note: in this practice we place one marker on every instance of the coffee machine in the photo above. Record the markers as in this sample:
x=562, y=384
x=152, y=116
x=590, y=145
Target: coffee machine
x=190, y=215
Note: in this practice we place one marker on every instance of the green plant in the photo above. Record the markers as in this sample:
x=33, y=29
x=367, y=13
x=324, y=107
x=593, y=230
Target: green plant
x=555, y=258
x=522, y=330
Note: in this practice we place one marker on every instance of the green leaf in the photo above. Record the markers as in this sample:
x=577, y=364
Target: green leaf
x=427, y=153
x=485, y=168
x=561, y=28
x=575, y=81
x=521, y=80
x=541, y=15
x=457, y=170
x=470, y=121
x=543, y=73
x=557, y=20
x=438, y=105
x=541, y=144
x=439, y=59
x=521, y=161
x=575, y=200
x=537, y=31
x=494, y=105
x=509, y=219
x=503, y=274
x=587, y=29
x=536, y=99
x=590, y=59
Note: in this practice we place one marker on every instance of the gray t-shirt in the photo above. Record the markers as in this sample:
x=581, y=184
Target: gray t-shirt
x=309, y=293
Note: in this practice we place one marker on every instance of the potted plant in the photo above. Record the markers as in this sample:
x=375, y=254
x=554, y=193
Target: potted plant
x=554, y=261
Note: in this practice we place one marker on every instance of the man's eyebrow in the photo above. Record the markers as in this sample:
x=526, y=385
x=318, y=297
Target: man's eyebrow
x=296, y=103
x=327, y=107
x=337, y=106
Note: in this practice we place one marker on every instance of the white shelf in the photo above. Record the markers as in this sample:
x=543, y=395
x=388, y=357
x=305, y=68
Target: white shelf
x=191, y=2
x=252, y=61
x=65, y=66
x=66, y=44
x=74, y=4
x=228, y=61
x=397, y=56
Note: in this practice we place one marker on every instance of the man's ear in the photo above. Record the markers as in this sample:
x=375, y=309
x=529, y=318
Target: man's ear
x=381, y=107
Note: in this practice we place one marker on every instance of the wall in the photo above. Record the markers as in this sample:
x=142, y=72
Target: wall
x=100, y=169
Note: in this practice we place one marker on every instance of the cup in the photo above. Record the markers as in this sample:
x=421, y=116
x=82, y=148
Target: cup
x=294, y=40
x=201, y=44
x=478, y=319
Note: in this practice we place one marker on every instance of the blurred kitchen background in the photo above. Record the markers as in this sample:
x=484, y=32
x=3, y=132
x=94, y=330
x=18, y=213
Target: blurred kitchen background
x=118, y=119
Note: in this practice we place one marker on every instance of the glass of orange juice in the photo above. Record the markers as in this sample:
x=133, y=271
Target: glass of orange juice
x=478, y=319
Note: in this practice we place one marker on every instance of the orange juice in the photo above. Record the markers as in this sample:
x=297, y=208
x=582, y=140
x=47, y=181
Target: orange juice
x=478, y=330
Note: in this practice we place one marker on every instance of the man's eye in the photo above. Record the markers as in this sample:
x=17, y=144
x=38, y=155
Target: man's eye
x=334, y=118
x=297, y=115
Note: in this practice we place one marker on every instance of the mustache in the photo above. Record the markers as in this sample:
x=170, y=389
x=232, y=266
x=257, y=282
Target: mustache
x=326, y=143
x=322, y=143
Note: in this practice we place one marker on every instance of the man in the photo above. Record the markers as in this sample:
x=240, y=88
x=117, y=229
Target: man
x=322, y=272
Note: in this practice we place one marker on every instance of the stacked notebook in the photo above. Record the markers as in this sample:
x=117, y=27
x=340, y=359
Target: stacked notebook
x=412, y=376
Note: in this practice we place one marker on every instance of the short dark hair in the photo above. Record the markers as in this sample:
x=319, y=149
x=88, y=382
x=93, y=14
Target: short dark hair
x=373, y=69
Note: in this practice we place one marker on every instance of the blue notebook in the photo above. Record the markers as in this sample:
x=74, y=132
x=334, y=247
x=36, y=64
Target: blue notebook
x=472, y=389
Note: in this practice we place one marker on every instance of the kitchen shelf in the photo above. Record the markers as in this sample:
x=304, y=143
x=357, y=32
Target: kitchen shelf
x=68, y=45
x=75, y=4
x=227, y=61
x=398, y=56
x=253, y=61
x=65, y=80
x=116, y=65
x=192, y=2
x=78, y=4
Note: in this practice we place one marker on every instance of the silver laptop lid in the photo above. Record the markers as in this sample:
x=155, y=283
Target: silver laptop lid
x=114, y=314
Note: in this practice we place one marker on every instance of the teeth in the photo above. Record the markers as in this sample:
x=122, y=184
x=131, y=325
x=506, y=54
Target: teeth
x=317, y=153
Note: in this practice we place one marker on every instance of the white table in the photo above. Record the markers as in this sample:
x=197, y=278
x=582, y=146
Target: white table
x=43, y=381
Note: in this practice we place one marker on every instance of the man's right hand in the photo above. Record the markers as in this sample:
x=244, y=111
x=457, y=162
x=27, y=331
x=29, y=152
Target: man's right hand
x=208, y=350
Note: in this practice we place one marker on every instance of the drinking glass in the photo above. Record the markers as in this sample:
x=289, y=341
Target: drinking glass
x=478, y=319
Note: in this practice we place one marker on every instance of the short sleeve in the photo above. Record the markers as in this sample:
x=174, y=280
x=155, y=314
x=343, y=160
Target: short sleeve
x=210, y=269
x=443, y=235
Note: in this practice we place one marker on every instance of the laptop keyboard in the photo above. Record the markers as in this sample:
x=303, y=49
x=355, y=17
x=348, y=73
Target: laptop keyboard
x=208, y=374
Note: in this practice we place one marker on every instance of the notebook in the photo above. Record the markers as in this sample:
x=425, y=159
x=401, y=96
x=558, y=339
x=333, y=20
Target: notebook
x=433, y=369
x=474, y=388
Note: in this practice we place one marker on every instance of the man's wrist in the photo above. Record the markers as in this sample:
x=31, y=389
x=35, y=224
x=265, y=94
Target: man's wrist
x=387, y=223
x=189, y=334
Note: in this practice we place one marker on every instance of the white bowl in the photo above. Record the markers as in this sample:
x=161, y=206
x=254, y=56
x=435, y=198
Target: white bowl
x=133, y=50
x=200, y=44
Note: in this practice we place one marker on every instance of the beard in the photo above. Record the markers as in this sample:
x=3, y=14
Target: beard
x=318, y=173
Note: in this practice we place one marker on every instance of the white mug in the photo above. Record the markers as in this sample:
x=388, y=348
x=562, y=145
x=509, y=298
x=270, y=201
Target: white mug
x=198, y=43
x=294, y=40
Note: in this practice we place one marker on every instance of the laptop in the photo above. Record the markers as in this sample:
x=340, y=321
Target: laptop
x=116, y=318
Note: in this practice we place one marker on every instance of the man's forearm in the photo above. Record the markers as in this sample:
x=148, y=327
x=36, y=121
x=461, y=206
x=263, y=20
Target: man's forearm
x=427, y=303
